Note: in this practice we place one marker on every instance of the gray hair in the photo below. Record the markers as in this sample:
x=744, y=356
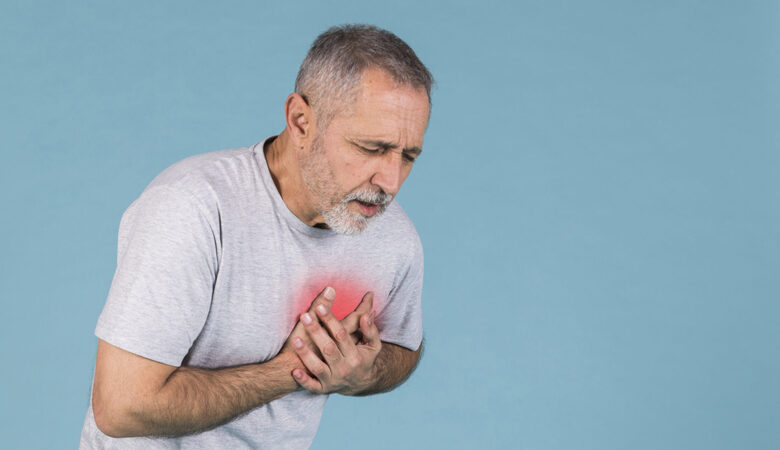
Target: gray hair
x=333, y=68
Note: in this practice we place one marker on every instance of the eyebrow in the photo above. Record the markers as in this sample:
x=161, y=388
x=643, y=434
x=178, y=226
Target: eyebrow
x=384, y=145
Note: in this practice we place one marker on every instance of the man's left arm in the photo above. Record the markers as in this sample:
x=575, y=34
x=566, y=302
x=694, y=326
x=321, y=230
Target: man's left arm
x=394, y=365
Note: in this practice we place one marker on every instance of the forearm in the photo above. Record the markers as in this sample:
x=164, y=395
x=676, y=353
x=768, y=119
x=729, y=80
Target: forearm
x=193, y=399
x=394, y=365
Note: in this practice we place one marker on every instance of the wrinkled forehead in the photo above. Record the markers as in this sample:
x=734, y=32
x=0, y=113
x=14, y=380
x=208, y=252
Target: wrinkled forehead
x=370, y=79
x=382, y=105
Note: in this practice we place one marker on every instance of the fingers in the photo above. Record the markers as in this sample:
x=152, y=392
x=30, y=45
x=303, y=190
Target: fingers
x=335, y=339
x=329, y=349
x=318, y=368
x=300, y=332
x=325, y=298
x=307, y=382
x=351, y=322
x=313, y=364
x=336, y=364
x=370, y=332
x=337, y=331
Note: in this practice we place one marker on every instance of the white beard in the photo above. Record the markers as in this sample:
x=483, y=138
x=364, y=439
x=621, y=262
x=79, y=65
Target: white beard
x=330, y=202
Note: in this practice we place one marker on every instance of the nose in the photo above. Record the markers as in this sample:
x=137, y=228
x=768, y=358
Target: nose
x=389, y=174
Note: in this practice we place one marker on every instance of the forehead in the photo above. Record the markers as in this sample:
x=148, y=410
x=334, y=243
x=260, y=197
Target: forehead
x=383, y=109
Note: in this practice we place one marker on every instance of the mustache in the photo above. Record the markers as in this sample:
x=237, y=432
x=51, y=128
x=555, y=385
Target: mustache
x=368, y=196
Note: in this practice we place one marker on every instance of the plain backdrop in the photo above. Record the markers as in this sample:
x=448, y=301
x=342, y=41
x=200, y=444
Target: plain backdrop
x=598, y=200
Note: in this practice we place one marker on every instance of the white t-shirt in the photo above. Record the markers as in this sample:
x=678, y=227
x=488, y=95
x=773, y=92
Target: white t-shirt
x=213, y=271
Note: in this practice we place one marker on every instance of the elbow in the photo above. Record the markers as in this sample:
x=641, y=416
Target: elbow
x=110, y=419
x=104, y=420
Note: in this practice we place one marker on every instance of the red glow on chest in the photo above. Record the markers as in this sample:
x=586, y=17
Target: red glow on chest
x=349, y=293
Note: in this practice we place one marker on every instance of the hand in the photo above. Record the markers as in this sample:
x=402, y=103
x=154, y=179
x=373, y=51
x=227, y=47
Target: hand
x=345, y=366
x=350, y=323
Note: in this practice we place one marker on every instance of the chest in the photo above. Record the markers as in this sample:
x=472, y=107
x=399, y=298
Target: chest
x=268, y=276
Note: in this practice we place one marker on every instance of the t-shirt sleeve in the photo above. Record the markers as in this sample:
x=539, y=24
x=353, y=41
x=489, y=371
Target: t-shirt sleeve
x=167, y=261
x=400, y=322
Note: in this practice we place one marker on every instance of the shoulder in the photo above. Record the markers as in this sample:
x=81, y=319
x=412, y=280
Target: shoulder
x=207, y=178
x=211, y=168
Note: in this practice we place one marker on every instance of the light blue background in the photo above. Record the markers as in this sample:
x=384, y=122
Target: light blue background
x=598, y=200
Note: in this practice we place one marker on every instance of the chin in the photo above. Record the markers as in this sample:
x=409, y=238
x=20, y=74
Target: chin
x=351, y=229
x=350, y=225
x=343, y=220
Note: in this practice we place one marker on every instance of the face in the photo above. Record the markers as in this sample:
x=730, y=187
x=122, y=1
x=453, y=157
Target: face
x=356, y=166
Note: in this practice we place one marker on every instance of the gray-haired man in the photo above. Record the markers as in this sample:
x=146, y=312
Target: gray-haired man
x=202, y=341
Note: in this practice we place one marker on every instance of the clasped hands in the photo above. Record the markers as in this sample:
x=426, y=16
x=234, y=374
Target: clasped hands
x=338, y=356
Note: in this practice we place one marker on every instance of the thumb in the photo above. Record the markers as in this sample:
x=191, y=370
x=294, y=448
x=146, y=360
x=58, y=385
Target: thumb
x=351, y=322
x=370, y=332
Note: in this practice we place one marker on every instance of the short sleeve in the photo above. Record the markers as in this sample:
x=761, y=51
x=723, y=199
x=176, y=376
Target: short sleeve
x=167, y=260
x=400, y=322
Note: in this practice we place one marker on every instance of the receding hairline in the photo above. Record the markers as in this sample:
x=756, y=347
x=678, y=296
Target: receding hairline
x=334, y=68
x=344, y=108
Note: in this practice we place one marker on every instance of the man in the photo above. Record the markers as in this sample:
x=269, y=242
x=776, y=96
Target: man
x=251, y=283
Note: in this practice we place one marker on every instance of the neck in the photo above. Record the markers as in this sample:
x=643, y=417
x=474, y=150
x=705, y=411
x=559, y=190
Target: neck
x=283, y=163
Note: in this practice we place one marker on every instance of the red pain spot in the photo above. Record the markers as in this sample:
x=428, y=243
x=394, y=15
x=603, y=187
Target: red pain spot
x=349, y=293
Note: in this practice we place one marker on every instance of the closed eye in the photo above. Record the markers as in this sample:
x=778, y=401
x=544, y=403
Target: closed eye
x=408, y=157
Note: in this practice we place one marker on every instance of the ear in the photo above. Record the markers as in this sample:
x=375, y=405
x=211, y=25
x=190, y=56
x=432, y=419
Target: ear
x=301, y=125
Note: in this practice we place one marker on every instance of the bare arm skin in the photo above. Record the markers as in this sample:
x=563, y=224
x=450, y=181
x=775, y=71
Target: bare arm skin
x=128, y=403
x=135, y=396
x=393, y=366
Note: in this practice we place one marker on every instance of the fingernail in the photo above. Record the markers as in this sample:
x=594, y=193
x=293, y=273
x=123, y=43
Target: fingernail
x=321, y=309
x=298, y=343
x=306, y=318
x=297, y=373
x=329, y=293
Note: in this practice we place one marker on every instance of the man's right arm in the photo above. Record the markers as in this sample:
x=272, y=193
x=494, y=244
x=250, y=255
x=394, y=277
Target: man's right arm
x=135, y=396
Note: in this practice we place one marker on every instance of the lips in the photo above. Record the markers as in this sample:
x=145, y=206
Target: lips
x=367, y=209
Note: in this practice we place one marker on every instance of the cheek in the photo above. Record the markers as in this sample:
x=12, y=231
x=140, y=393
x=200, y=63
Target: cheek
x=351, y=173
x=351, y=168
x=346, y=169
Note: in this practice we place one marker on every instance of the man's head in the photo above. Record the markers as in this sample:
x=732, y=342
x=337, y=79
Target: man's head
x=330, y=75
x=356, y=122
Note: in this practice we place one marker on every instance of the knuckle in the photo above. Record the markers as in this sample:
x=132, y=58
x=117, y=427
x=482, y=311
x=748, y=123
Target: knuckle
x=300, y=334
x=330, y=348
x=341, y=334
x=349, y=324
x=319, y=370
